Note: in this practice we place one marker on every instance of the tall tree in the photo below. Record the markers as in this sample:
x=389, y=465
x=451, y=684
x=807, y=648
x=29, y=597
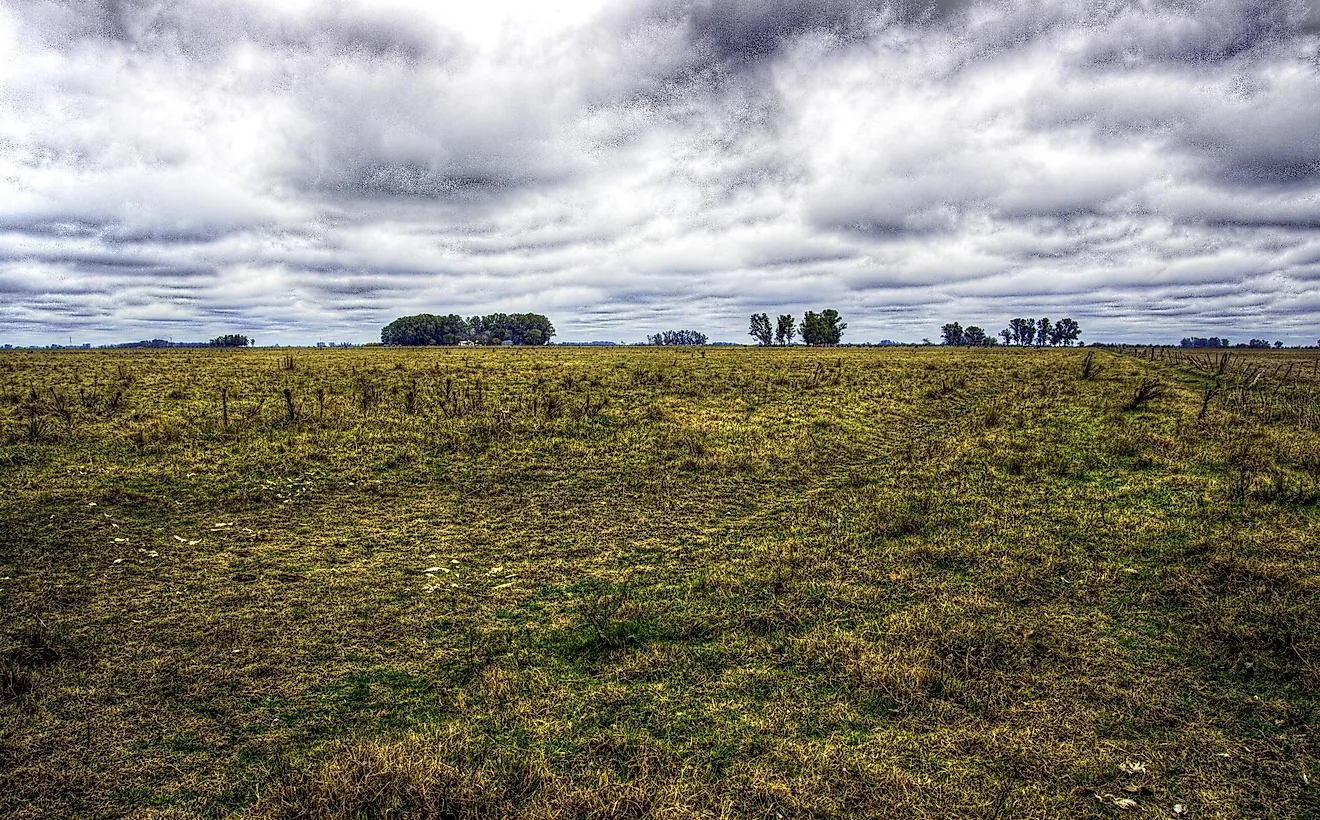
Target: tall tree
x=822, y=328
x=785, y=329
x=974, y=336
x=760, y=330
x=1066, y=331
x=1006, y=334
x=1043, y=329
x=952, y=334
x=1024, y=330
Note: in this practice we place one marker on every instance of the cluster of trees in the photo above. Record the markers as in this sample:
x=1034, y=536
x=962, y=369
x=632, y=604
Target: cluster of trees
x=1041, y=332
x=1019, y=331
x=784, y=332
x=677, y=337
x=822, y=328
x=1038, y=332
x=497, y=328
x=971, y=336
x=231, y=340
x=1215, y=341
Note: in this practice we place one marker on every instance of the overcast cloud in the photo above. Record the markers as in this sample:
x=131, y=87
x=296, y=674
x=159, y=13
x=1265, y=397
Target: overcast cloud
x=301, y=171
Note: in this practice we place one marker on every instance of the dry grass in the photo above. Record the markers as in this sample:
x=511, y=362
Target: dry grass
x=609, y=583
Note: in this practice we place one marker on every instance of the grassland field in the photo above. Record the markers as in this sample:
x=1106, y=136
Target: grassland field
x=718, y=582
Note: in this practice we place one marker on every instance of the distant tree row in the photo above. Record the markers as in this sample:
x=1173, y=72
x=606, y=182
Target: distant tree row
x=1201, y=341
x=817, y=329
x=154, y=343
x=677, y=337
x=1037, y=332
x=498, y=328
x=1215, y=341
x=231, y=340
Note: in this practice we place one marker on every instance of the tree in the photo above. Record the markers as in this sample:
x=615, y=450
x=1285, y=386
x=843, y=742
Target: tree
x=761, y=329
x=427, y=329
x=785, y=329
x=1065, y=332
x=231, y=340
x=822, y=328
x=1043, y=330
x=1006, y=334
x=1277, y=344
x=952, y=333
x=974, y=336
x=1023, y=330
x=677, y=337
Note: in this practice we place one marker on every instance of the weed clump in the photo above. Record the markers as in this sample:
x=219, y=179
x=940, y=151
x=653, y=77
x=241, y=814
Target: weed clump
x=1147, y=391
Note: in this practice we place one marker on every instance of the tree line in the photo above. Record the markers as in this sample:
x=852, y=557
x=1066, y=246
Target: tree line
x=1023, y=332
x=817, y=329
x=426, y=329
x=1216, y=341
x=677, y=337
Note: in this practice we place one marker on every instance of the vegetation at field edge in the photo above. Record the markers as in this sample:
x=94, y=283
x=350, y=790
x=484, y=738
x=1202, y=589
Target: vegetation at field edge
x=546, y=582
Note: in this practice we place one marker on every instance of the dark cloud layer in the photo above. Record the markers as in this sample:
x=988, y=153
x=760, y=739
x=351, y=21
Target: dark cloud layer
x=306, y=170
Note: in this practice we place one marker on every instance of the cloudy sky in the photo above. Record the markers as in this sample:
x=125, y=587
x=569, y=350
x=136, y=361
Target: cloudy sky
x=310, y=169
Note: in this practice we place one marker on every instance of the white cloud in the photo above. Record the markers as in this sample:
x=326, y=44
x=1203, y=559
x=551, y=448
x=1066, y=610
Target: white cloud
x=307, y=170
